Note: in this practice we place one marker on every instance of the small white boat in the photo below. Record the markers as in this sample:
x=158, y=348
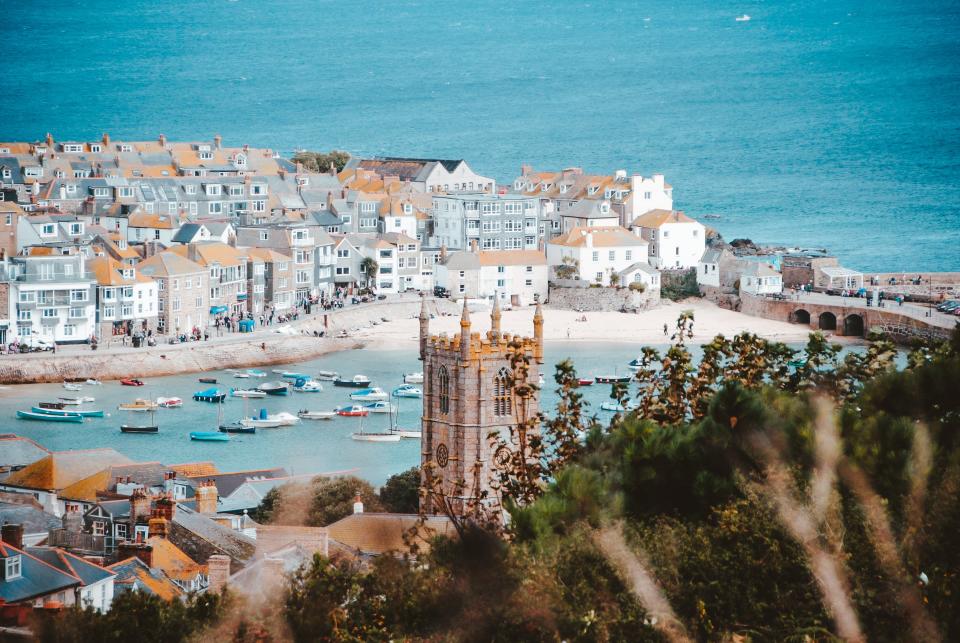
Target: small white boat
x=376, y=437
x=72, y=386
x=247, y=392
x=93, y=382
x=241, y=375
x=169, y=402
x=743, y=18
x=317, y=415
x=413, y=378
x=327, y=376
x=255, y=373
x=141, y=406
x=380, y=406
x=613, y=407
x=369, y=395
x=273, y=421
x=407, y=390
x=76, y=401
x=409, y=434
x=540, y=380
x=635, y=364
x=308, y=387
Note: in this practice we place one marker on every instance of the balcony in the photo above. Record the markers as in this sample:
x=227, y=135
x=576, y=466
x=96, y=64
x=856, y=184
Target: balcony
x=299, y=243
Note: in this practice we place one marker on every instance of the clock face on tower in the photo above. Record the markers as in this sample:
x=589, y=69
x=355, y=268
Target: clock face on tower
x=442, y=455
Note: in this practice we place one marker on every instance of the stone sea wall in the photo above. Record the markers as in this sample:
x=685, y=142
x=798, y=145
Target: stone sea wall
x=263, y=348
x=590, y=299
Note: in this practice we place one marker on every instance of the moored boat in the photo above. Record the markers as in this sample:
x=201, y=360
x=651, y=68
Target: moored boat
x=138, y=405
x=46, y=417
x=93, y=382
x=413, y=378
x=408, y=434
x=584, y=381
x=209, y=436
x=247, y=392
x=328, y=376
x=380, y=406
x=132, y=381
x=275, y=388
x=307, y=386
x=209, y=395
x=83, y=414
x=270, y=421
x=363, y=436
x=236, y=427
x=207, y=380
x=354, y=410
x=255, y=373
x=242, y=375
x=407, y=390
x=358, y=381
x=611, y=379
x=72, y=386
x=369, y=395
x=614, y=407
x=169, y=402
x=635, y=364
x=76, y=401
x=316, y=415
x=127, y=428
x=51, y=405
x=291, y=375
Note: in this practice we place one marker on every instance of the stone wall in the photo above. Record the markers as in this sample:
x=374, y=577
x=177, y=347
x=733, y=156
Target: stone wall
x=235, y=351
x=721, y=297
x=602, y=299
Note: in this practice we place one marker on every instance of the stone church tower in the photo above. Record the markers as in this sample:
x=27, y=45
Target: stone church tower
x=467, y=395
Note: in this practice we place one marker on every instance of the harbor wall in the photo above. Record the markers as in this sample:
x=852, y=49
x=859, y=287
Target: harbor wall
x=263, y=348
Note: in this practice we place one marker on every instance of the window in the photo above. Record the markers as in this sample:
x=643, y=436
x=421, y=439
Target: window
x=24, y=316
x=121, y=529
x=199, y=302
x=340, y=271
x=599, y=277
x=236, y=190
x=677, y=250
x=256, y=189
x=78, y=295
x=109, y=312
x=444, y=380
x=463, y=288
x=126, y=310
x=596, y=256
x=48, y=230
x=176, y=304
x=501, y=283
x=77, y=313
x=215, y=207
x=528, y=282
x=124, y=192
x=49, y=312
x=612, y=255
x=212, y=190
x=342, y=253
x=629, y=255
x=503, y=393
x=12, y=567
x=98, y=528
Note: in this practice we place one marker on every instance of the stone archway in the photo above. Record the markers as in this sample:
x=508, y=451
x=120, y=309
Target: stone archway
x=828, y=321
x=800, y=317
x=853, y=325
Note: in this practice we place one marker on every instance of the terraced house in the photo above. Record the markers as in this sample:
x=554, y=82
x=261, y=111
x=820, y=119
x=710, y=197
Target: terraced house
x=426, y=175
x=227, y=267
x=183, y=289
x=127, y=300
x=494, y=221
x=308, y=246
x=51, y=295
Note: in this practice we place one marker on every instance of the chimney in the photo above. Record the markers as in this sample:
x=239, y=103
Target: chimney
x=218, y=572
x=106, y=141
x=246, y=147
x=139, y=505
x=443, y=252
x=162, y=140
x=12, y=535
x=157, y=525
x=525, y=169
x=333, y=169
x=207, y=497
x=166, y=507
x=50, y=141
x=217, y=140
x=72, y=521
x=357, y=504
x=144, y=552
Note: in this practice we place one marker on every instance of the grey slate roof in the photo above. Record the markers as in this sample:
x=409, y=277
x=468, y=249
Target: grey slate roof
x=200, y=537
x=711, y=255
x=186, y=233
x=462, y=261
x=37, y=578
x=34, y=520
x=227, y=483
x=17, y=451
x=88, y=573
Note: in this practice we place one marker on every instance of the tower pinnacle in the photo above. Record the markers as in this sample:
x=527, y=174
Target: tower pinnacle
x=538, y=333
x=495, y=319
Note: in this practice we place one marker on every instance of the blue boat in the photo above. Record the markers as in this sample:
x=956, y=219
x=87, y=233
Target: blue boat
x=275, y=388
x=290, y=375
x=43, y=417
x=209, y=436
x=83, y=414
x=210, y=395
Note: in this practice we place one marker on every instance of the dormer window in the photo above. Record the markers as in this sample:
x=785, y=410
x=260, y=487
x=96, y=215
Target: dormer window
x=12, y=568
x=128, y=273
x=48, y=230
x=72, y=148
x=240, y=160
x=6, y=173
x=236, y=190
x=124, y=147
x=257, y=189
x=95, y=148
x=190, y=189
x=563, y=188
x=604, y=208
x=593, y=189
x=205, y=156
x=212, y=189
x=76, y=229
x=203, y=147
x=407, y=208
x=101, y=192
x=607, y=194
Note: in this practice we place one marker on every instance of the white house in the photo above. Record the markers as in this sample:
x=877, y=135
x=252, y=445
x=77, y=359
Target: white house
x=708, y=268
x=127, y=301
x=427, y=175
x=760, y=278
x=641, y=273
x=517, y=277
x=595, y=253
x=589, y=214
x=676, y=240
x=51, y=296
x=493, y=221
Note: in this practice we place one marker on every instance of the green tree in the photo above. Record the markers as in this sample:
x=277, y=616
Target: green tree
x=333, y=499
x=320, y=161
x=401, y=492
x=370, y=268
x=568, y=268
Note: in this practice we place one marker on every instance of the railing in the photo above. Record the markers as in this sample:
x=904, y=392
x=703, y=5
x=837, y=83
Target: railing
x=76, y=540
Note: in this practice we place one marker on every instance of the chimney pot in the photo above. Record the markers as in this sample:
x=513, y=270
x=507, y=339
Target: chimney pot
x=357, y=504
x=162, y=140
x=12, y=534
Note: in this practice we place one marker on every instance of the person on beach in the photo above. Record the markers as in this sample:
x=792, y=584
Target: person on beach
x=666, y=330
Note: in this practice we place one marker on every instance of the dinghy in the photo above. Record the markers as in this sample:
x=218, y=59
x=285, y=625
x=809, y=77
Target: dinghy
x=358, y=381
x=83, y=414
x=247, y=392
x=407, y=390
x=317, y=415
x=369, y=395
x=45, y=417
x=209, y=436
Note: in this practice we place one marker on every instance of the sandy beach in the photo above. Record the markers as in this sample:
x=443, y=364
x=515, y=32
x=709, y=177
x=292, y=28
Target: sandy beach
x=562, y=325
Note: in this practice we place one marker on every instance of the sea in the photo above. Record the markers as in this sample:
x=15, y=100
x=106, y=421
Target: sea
x=819, y=124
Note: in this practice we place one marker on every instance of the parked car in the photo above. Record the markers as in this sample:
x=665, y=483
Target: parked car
x=35, y=345
x=950, y=304
x=440, y=291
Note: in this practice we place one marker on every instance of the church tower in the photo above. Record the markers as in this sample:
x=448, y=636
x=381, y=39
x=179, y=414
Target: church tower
x=467, y=395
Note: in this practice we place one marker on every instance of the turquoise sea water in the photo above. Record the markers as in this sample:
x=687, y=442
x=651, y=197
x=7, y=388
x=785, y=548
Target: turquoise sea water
x=816, y=123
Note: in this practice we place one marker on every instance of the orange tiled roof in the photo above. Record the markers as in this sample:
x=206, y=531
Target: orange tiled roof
x=601, y=237
x=377, y=533
x=162, y=587
x=63, y=468
x=171, y=560
x=195, y=469
x=656, y=218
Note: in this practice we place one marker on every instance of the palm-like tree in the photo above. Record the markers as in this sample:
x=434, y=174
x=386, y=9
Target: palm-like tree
x=370, y=267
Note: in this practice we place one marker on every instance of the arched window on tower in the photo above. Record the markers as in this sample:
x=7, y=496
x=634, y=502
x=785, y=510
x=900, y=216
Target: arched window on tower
x=444, y=380
x=503, y=393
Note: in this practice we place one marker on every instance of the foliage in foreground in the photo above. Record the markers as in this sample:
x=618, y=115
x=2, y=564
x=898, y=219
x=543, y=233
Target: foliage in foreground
x=730, y=484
